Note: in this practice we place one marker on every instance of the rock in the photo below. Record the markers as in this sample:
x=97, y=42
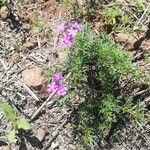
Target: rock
x=4, y=12
x=33, y=77
x=41, y=132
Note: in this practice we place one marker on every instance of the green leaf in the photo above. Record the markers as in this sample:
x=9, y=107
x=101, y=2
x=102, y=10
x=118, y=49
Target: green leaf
x=8, y=111
x=23, y=124
x=11, y=135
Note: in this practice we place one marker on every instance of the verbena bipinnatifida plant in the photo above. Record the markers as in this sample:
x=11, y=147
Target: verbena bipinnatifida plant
x=98, y=68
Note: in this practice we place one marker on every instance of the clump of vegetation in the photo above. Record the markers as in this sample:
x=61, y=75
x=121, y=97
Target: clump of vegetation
x=15, y=123
x=98, y=68
x=3, y=2
x=16, y=46
x=139, y=5
x=41, y=28
x=120, y=20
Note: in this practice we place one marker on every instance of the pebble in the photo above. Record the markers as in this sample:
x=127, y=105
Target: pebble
x=4, y=12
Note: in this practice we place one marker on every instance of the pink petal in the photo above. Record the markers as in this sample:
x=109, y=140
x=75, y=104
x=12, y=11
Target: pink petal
x=57, y=76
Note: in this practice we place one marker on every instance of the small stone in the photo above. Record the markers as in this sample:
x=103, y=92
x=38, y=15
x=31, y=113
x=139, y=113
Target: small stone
x=41, y=132
x=54, y=145
x=4, y=12
x=33, y=77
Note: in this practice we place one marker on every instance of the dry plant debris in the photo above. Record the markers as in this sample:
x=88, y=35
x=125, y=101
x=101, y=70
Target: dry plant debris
x=23, y=45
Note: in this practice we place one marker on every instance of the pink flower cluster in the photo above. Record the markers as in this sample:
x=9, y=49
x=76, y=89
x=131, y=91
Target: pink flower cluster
x=68, y=31
x=56, y=85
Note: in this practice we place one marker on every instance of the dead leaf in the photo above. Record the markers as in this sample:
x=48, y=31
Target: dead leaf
x=41, y=132
x=128, y=40
x=33, y=77
x=100, y=26
x=14, y=58
x=121, y=37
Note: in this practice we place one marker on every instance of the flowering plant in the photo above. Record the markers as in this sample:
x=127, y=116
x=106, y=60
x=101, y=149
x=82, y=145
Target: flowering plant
x=56, y=85
x=68, y=32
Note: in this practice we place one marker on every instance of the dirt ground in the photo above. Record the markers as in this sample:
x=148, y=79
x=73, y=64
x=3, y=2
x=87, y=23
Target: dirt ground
x=28, y=40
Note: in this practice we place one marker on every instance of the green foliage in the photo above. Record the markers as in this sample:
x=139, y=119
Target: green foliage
x=109, y=108
x=9, y=112
x=3, y=2
x=119, y=19
x=11, y=135
x=66, y=100
x=15, y=123
x=38, y=24
x=147, y=58
x=138, y=4
x=97, y=68
x=48, y=73
x=16, y=46
x=23, y=124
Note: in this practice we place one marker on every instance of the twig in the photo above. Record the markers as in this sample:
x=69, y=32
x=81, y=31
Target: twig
x=4, y=65
x=56, y=40
x=139, y=21
x=54, y=48
x=30, y=92
x=141, y=92
x=39, y=43
x=5, y=68
x=143, y=103
x=41, y=107
x=127, y=10
x=55, y=136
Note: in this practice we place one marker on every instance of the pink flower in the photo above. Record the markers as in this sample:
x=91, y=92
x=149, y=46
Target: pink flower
x=75, y=25
x=72, y=32
x=57, y=76
x=61, y=27
x=69, y=31
x=56, y=86
x=66, y=41
x=61, y=90
x=52, y=87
